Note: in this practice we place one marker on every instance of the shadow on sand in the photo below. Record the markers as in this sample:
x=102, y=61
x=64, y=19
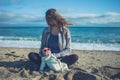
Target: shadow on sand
x=111, y=72
x=74, y=74
x=19, y=65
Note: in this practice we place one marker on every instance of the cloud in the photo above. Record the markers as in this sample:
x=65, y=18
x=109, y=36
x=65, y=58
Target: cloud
x=97, y=19
x=107, y=19
x=11, y=19
x=91, y=19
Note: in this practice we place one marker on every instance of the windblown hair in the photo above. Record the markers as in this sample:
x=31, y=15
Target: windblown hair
x=52, y=16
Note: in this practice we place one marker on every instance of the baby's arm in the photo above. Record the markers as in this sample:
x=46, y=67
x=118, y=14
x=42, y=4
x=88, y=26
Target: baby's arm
x=42, y=65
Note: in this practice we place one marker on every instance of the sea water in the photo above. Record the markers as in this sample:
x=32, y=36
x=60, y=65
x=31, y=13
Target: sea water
x=83, y=38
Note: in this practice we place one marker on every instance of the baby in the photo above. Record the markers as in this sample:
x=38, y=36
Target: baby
x=52, y=62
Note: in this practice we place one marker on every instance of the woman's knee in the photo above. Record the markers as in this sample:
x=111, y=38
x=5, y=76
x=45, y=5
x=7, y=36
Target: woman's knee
x=30, y=55
x=74, y=57
x=33, y=55
x=70, y=59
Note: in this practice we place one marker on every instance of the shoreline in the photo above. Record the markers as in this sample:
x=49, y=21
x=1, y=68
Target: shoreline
x=103, y=64
x=74, y=45
x=71, y=49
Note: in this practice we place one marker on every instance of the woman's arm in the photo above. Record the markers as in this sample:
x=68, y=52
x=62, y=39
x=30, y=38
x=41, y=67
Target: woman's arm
x=67, y=49
x=43, y=40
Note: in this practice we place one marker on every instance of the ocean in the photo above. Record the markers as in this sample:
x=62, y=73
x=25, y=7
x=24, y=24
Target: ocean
x=83, y=38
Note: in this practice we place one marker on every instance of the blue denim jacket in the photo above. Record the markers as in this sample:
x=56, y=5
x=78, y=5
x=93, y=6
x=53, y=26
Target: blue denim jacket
x=64, y=41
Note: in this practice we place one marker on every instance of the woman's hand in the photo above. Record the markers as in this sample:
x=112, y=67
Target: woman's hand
x=57, y=55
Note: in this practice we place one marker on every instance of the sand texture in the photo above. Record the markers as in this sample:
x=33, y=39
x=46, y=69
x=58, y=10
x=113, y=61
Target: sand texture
x=92, y=65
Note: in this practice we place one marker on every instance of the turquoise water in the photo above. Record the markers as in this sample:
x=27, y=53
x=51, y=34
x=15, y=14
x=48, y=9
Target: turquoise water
x=94, y=36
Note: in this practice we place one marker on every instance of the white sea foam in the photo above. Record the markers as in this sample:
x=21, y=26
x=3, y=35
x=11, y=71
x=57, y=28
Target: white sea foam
x=95, y=46
x=19, y=43
x=18, y=38
x=76, y=46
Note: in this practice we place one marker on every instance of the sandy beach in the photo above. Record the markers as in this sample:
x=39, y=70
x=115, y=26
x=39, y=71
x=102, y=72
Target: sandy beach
x=92, y=65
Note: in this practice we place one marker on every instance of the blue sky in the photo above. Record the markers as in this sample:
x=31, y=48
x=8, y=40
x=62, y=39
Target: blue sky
x=80, y=12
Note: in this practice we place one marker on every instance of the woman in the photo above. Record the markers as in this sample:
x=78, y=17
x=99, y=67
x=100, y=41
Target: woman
x=57, y=38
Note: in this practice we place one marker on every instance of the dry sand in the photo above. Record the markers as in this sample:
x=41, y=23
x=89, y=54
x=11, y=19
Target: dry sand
x=92, y=65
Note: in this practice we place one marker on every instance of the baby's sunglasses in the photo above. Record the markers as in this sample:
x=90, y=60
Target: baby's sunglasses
x=46, y=49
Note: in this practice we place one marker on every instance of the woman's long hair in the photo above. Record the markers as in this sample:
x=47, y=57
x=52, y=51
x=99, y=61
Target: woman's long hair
x=52, y=16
